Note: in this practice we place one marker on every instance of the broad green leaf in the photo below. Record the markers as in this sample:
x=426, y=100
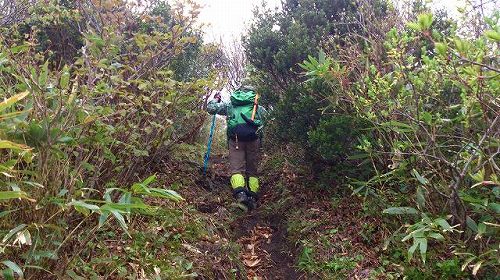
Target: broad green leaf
x=411, y=250
x=400, y=211
x=73, y=275
x=65, y=139
x=437, y=236
x=64, y=80
x=398, y=126
x=42, y=79
x=495, y=207
x=420, y=198
x=20, y=48
x=425, y=21
x=418, y=233
x=126, y=198
x=443, y=223
x=481, y=230
x=12, y=100
x=6, y=195
x=419, y=177
x=5, y=144
x=322, y=56
x=492, y=35
x=471, y=224
x=13, y=231
x=168, y=194
x=8, y=274
x=423, y=248
x=467, y=198
x=414, y=26
x=84, y=204
x=149, y=180
x=425, y=218
x=14, y=268
x=83, y=207
x=426, y=117
x=441, y=48
x=121, y=221
x=407, y=237
x=123, y=207
x=102, y=218
x=140, y=188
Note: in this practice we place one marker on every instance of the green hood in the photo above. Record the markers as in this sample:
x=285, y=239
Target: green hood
x=241, y=98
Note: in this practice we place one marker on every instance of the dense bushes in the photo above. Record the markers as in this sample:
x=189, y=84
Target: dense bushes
x=276, y=45
x=437, y=121
x=84, y=117
x=430, y=97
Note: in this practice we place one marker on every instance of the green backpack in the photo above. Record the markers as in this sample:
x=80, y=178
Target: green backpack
x=240, y=126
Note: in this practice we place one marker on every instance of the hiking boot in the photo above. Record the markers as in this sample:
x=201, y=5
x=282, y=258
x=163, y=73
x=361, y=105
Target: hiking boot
x=241, y=197
x=241, y=201
x=251, y=203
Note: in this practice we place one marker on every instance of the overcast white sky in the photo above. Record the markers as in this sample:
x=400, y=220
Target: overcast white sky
x=229, y=18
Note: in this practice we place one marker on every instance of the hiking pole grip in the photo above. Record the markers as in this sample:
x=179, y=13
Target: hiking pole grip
x=255, y=104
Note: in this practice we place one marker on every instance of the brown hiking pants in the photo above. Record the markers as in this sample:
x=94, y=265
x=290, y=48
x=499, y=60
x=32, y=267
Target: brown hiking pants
x=245, y=159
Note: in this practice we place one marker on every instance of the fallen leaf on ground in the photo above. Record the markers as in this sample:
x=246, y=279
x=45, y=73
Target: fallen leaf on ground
x=251, y=263
x=191, y=248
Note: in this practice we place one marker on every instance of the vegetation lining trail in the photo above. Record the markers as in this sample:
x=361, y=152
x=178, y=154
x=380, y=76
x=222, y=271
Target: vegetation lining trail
x=383, y=141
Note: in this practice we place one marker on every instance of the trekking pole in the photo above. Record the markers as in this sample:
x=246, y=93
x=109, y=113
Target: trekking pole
x=255, y=104
x=209, y=147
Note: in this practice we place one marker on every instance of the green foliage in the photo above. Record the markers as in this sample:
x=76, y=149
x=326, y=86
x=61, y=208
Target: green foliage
x=279, y=46
x=429, y=96
x=86, y=110
x=416, y=111
x=337, y=266
x=335, y=137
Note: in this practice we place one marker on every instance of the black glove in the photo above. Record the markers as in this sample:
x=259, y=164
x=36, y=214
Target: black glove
x=217, y=97
x=249, y=121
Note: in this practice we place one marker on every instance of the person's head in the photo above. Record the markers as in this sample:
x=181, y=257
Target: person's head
x=247, y=85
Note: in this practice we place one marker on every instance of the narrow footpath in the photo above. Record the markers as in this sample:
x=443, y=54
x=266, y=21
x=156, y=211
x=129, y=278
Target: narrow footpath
x=265, y=251
x=260, y=235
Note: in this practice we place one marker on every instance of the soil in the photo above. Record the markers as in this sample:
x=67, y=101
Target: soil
x=265, y=250
x=262, y=236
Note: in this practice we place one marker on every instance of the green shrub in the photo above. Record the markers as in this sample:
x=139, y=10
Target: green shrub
x=80, y=128
x=336, y=137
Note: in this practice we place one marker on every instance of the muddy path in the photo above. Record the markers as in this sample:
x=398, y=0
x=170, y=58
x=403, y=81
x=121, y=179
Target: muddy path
x=261, y=234
x=265, y=251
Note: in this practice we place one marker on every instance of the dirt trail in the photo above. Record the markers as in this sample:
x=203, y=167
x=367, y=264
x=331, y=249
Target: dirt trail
x=261, y=235
x=264, y=248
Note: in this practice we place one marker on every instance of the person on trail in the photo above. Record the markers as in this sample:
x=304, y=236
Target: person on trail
x=244, y=131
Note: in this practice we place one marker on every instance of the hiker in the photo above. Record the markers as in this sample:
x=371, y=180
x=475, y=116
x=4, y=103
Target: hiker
x=244, y=141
